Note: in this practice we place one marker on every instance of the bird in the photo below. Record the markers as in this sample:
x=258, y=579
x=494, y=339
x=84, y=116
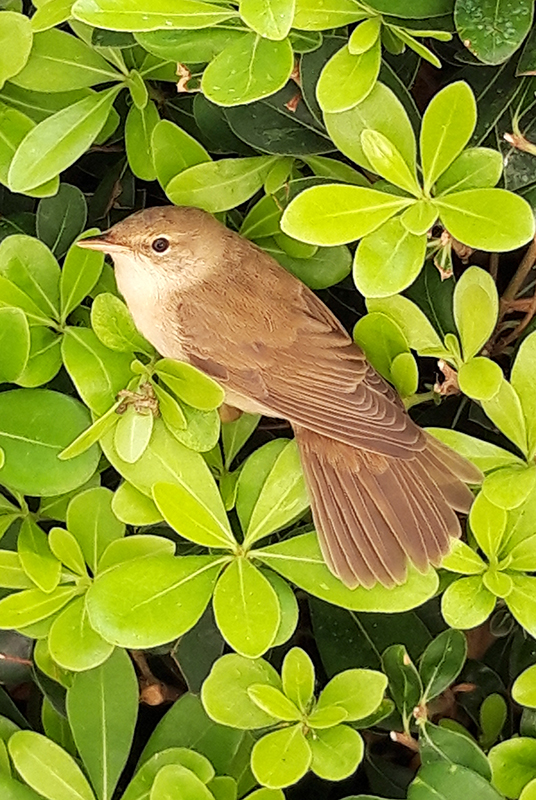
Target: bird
x=384, y=493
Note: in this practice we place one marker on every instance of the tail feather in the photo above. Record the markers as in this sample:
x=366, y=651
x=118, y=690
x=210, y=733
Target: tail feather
x=375, y=513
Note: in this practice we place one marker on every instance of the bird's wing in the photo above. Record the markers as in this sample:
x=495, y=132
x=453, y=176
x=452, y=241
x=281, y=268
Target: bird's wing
x=301, y=365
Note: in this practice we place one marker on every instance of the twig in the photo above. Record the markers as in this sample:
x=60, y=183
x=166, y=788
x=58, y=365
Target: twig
x=494, y=265
x=518, y=330
x=521, y=273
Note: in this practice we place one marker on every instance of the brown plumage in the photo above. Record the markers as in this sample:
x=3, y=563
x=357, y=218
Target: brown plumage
x=382, y=490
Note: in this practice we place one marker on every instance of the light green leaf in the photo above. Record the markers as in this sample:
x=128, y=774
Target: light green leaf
x=487, y=219
x=58, y=141
x=445, y=780
x=93, y=524
x=522, y=556
x=509, y=487
x=60, y=62
x=235, y=434
x=29, y=265
x=113, y=324
x=522, y=601
x=140, y=786
x=191, y=385
x=405, y=374
x=381, y=111
x=45, y=357
x=12, y=575
x=480, y=378
x=15, y=43
x=299, y=559
x=35, y=426
x=247, y=70
x=269, y=18
x=246, y=608
x=14, y=343
x=319, y=15
x=338, y=213
x=132, y=434
x=347, y=79
x=328, y=717
x=522, y=380
x=484, y=455
x=151, y=601
x=467, y=603
x=288, y=606
x=475, y=168
x=73, y=643
x=281, y=758
x=47, y=768
x=513, y=764
x=139, y=128
x=174, y=780
x=174, y=150
x=140, y=15
x=67, y=550
x=225, y=691
x=219, y=185
x=337, y=752
x=381, y=340
x=136, y=545
x=388, y=162
x=463, y=559
x=81, y=271
x=388, y=260
x=475, y=305
x=15, y=125
x=134, y=508
x=92, y=434
x=488, y=524
x=365, y=35
x=298, y=676
x=138, y=89
x=358, y=691
x=102, y=706
x=447, y=125
x=414, y=324
x=420, y=217
x=524, y=688
x=199, y=517
x=32, y=605
x=504, y=409
x=188, y=46
x=36, y=557
x=274, y=702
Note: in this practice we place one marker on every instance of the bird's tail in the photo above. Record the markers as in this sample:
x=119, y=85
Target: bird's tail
x=374, y=513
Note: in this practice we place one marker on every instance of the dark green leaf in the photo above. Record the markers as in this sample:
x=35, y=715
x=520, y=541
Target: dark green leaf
x=490, y=30
x=62, y=218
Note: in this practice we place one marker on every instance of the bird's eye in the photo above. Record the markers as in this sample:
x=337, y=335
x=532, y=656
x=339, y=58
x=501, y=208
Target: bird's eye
x=160, y=245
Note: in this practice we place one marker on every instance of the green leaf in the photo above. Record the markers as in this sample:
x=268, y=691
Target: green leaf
x=199, y=517
x=97, y=372
x=487, y=219
x=300, y=560
x=288, y=607
x=504, y=409
x=524, y=688
x=388, y=260
x=92, y=434
x=140, y=785
x=438, y=743
x=405, y=685
x=359, y=692
x=513, y=764
x=338, y=213
x=67, y=550
x=191, y=385
x=475, y=168
x=480, y=378
x=489, y=30
x=381, y=340
x=235, y=434
x=202, y=429
x=388, y=162
x=509, y=487
x=188, y=46
x=420, y=217
x=522, y=381
x=36, y=557
x=139, y=128
x=102, y=706
x=138, y=89
x=15, y=126
x=246, y=608
x=414, y=324
x=274, y=702
x=14, y=343
x=36, y=425
x=12, y=575
x=113, y=324
x=30, y=265
x=58, y=141
x=447, y=125
x=174, y=780
x=337, y=752
x=270, y=18
x=283, y=496
x=281, y=758
x=247, y=70
x=348, y=79
x=132, y=434
x=32, y=605
x=483, y=454
x=60, y=62
x=151, y=601
x=47, y=768
x=62, y=218
x=365, y=35
x=442, y=662
x=467, y=603
x=92, y=522
x=405, y=374
x=174, y=150
x=136, y=545
x=328, y=265
x=225, y=692
x=442, y=781
x=81, y=271
x=476, y=306
x=488, y=525
x=319, y=15
x=253, y=474
x=141, y=16
x=73, y=643
x=298, y=676
x=463, y=559
x=134, y=508
x=521, y=601
x=381, y=111
x=45, y=358
x=15, y=43
x=219, y=185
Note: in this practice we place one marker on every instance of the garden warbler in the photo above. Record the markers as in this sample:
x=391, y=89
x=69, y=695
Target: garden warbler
x=383, y=492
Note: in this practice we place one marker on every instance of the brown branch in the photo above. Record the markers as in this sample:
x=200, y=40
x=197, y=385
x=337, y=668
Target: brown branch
x=494, y=265
x=518, y=330
x=521, y=273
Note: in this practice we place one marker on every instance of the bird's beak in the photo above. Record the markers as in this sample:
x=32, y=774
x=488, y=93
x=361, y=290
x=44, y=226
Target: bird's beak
x=101, y=242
